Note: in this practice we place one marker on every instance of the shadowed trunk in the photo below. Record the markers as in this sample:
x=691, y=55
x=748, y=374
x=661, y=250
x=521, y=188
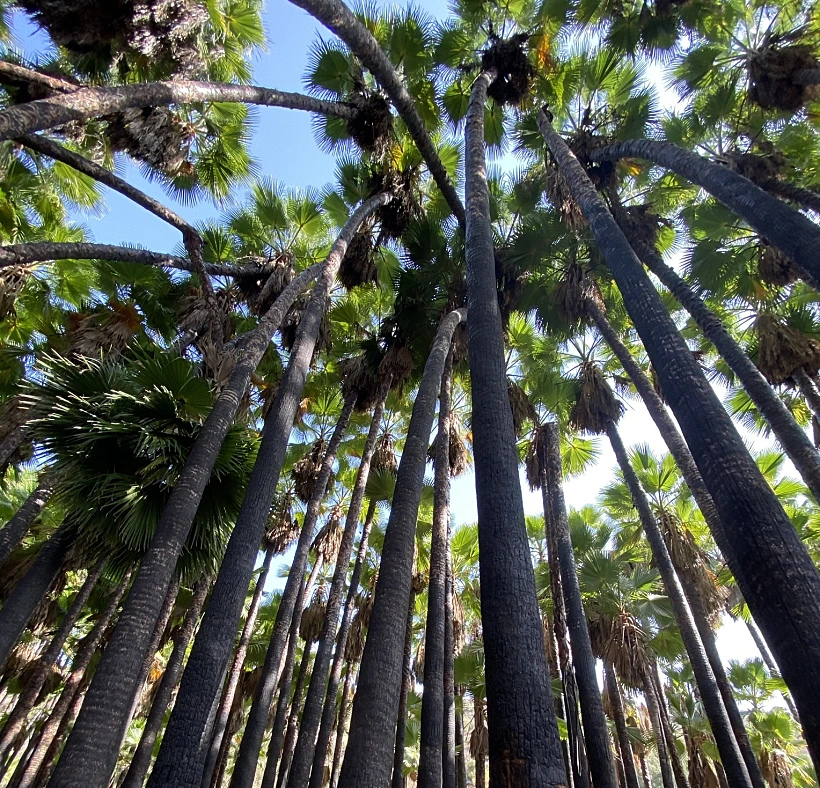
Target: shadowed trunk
x=293, y=717
x=789, y=191
x=449, y=778
x=461, y=753
x=397, y=780
x=15, y=530
x=624, y=747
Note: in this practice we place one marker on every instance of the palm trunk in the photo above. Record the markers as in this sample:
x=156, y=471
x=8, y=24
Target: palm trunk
x=808, y=390
x=293, y=718
x=14, y=531
x=397, y=780
x=653, y=707
x=33, y=586
x=480, y=758
x=27, y=773
x=90, y=755
x=329, y=711
x=303, y=756
x=524, y=742
x=431, y=758
x=710, y=696
x=596, y=733
x=806, y=198
x=461, y=754
x=141, y=759
x=677, y=766
x=625, y=748
x=224, y=712
x=449, y=776
x=344, y=713
x=794, y=234
x=370, y=746
x=772, y=566
x=788, y=432
x=766, y=655
x=31, y=692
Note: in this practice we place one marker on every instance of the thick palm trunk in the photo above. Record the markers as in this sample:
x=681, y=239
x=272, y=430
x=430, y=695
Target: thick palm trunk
x=303, y=756
x=31, y=692
x=14, y=531
x=397, y=780
x=461, y=755
x=224, y=711
x=370, y=744
x=431, y=758
x=141, y=759
x=788, y=432
x=794, y=234
x=596, y=733
x=710, y=696
x=653, y=707
x=625, y=748
x=344, y=713
x=524, y=742
x=293, y=718
x=32, y=587
x=772, y=566
x=90, y=754
x=329, y=711
x=449, y=778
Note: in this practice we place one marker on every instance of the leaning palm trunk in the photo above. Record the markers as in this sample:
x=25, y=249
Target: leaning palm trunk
x=788, y=432
x=293, y=718
x=32, y=588
x=653, y=707
x=141, y=759
x=370, y=745
x=790, y=231
x=681, y=778
x=596, y=733
x=773, y=568
x=449, y=765
x=523, y=736
x=397, y=780
x=90, y=755
x=622, y=736
x=789, y=191
x=238, y=666
x=329, y=711
x=344, y=713
x=704, y=677
x=28, y=697
x=808, y=390
x=431, y=758
x=303, y=756
x=14, y=531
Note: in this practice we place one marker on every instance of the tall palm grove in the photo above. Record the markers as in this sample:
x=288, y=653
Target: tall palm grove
x=228, y=557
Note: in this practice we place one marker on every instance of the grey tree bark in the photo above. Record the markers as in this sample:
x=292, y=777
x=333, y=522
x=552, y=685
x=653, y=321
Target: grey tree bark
x=15, y=530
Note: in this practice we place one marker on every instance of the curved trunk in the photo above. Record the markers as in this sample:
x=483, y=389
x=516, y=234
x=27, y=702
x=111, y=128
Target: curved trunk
x=224, y=711
x=293, y=718
x=90, y=754
x=338, y=18
x=653, y=707
x=344, y=713
x=431, y=757
x=32, y=587
x=449, y=778
x=624, y=747
x=524, y=742
x=370, y=744
x=596, y=732
x=791, y=436
x=31, y=691
x=303, y=756
x=15, y=530
x=790, y=231
x=772, y=566
x=397, y=780
x=141, y=759
x=329, y=711
x=710, y=696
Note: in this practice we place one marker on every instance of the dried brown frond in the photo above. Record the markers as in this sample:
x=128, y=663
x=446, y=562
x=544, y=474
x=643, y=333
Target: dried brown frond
x=306, y=471
x=372, y=128
x=514, y=71
x=782, y=349
x=597, y=406
x=559, y=195
x=359, y=376
x=358, y=628
x=329, y=539
x=398, y=363
x=775, y=768
x=260, y=290
x=522, y=408
x=572, y=293
x=620, y=641
x=774, y=267
x=419, y=582
x=418, y=663
x=532, y=462
x=384, y=455
x=480, y=735
x=313, y=616
x=640, y=225
x=459, y=455
x=109, y=330
x=758, y=168
x=772, y=70
x=283, y=528
x=358, y=266
x=12, y=280
x=397, y=215
x=14, y=569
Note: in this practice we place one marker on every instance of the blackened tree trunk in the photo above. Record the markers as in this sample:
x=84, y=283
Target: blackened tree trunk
x=625, y=748
x=772, y=566
x=431, y=758
x=141, y=759
x=524, y=742
x=32, y=587
x=397, y=780
x=303, y=756
x=449, y=777
x=596, y=733
x=293, y=718
x=14, y=531
x=370, y=743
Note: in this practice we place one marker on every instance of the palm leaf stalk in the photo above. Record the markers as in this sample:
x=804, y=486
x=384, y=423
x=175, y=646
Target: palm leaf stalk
x=523, y=731
x=772, y=566
x=90, y=753
x=15, y=530
x=368, y=757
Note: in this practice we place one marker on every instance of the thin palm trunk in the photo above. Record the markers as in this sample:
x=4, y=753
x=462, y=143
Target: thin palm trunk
x=624, y=747
x=32, y=588
x=794, y=234
x=449, y=778
x=370, y=743
x=461, y=754
x=235, y=674
x=809, y=391
x=15, y=530
x=766, y=655
x=772, y=566
x=806, y=198
x=681, y=779
x=431, y=758
x=344, y=714
x=303, y=756
x=596, y=733
x=397, y=780
x=653, y=707
x=524, y=742
x=293, y=718
x=704, y=677
x=141, y=759
x=480, y=758
x=31, y=692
